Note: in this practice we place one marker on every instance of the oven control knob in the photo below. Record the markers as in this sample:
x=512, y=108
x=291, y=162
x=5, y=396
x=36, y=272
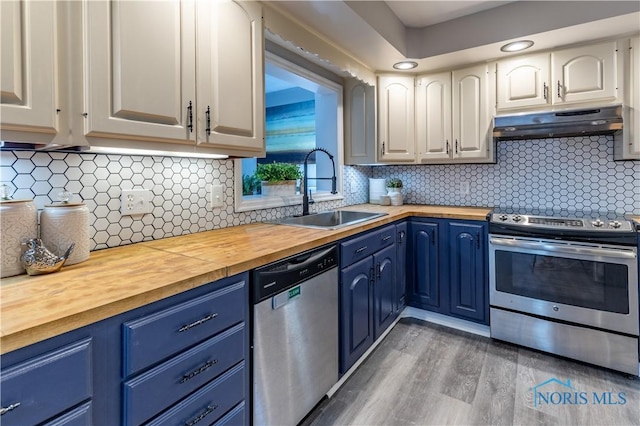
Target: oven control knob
x=615, y=224
x=517, y=218
x=503, y=217
x=597, y=223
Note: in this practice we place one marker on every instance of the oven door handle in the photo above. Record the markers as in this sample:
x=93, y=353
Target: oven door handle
x=619, y=254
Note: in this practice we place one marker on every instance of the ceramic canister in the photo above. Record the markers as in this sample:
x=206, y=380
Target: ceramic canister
x=65, y=223
x=19, y=223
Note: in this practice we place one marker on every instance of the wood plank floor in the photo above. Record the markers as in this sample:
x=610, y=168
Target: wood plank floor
x=427, y=374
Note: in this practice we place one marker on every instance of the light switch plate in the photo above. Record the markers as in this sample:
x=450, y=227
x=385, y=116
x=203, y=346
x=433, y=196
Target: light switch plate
x=217, y=197
x=135, y=201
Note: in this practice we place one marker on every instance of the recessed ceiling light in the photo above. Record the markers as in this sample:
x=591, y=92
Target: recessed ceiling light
x=405, y=65
x=517, y=46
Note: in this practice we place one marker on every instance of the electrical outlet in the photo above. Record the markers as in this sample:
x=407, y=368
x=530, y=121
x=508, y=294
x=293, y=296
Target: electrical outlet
x=464, y=188
x=216, y=196
x=135, y=201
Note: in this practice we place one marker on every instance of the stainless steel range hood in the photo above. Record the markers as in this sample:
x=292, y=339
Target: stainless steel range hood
x=575, y=122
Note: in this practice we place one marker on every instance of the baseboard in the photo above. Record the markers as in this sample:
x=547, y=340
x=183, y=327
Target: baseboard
x=447, y=321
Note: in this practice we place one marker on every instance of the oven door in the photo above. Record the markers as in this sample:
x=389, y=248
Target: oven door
x=581, y=283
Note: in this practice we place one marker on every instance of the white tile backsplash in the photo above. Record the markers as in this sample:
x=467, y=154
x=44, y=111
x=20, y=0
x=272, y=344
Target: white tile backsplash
x=568, y=172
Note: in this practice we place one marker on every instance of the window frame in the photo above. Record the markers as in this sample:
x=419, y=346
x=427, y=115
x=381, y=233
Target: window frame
x=259, y=202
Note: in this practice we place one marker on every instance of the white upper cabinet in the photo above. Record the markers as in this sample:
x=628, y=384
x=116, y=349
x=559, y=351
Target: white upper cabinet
x=396, y=109
x=454, y=116
x=230, y=82
x=627, y=144
x=140, y=68
x=174, y=71
x=472, y=114
x=584, y=74
x=524, y=81
x=433, y=117
x=33, y=104
x=360, y=121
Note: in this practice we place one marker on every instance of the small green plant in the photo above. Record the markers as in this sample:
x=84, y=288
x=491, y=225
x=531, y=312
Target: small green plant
x=277, y=172
x=394, y=183
x=249, y=184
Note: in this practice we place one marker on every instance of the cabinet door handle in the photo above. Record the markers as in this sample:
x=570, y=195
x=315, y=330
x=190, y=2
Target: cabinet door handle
x=382, y=148
x=559, y=90
x=433, y=238
x=210, y=409
x=361, y=249
x=372, y=274
x=379, y=270
x=386, y=238
x=5, y=410
x=456, y=146
x=478, y=240
x=198, y=370
x=207, y=115
x=447, y=146
x=400, y=237
x=190, y=117
x=545, y=91
x=196, y=323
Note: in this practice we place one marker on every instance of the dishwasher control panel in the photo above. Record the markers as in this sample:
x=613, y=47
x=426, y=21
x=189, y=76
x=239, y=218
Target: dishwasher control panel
x=276, y=277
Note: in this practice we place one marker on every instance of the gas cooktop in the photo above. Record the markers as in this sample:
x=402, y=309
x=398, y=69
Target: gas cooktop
x=559, y=219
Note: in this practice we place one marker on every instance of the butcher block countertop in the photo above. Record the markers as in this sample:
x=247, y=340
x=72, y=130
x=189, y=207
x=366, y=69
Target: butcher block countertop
x=119, y=279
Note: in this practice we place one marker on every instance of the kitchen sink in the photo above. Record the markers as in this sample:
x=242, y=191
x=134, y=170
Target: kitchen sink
x=329, y=219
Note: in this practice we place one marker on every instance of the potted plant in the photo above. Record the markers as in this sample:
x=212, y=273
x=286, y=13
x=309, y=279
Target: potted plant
x=394, y=185
x=278, y=178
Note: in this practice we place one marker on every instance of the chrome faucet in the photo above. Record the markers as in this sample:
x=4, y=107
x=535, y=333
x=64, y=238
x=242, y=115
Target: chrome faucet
x=305, y=179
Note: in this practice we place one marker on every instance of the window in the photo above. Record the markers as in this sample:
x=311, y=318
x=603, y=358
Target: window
x=303, y=111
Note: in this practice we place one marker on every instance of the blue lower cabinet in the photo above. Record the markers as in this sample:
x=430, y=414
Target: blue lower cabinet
x=400, y=294
x=467, y=278
x=448, y=267
x=356, y=311
x=39, y=388
x=151, y=392
x=384, y=263
x=209, y=403
x=425, y=263
x=235, y=417
x=80, y=416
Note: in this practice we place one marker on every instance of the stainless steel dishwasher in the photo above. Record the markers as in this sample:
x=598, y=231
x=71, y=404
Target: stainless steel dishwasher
x=295, y=336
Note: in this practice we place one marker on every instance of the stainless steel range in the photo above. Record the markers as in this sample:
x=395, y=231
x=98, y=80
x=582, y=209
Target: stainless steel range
x=566, y=282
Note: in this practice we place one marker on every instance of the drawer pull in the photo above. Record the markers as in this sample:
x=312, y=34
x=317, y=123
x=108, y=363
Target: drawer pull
x=361, y=249
x=386, y=238
x=210, y=409
x=5, y=410
x=195, y=323
x=202, y=369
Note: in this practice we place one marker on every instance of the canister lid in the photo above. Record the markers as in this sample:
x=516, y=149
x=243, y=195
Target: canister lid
x=64, y=196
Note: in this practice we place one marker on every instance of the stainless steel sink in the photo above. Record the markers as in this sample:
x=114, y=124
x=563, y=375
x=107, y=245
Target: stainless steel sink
x=329, y=220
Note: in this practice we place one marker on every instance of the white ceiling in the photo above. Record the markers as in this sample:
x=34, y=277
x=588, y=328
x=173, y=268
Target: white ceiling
x=418, y=14
x=442, y=35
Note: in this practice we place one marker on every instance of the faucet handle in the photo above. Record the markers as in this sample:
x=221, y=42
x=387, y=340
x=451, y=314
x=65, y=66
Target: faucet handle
x=311, y=200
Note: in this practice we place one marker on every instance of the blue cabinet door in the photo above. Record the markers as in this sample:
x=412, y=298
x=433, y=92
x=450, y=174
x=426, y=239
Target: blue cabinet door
x=400, y=296
x=425, y=266
x=467, y=280
x=356, y=287
x=384, y=263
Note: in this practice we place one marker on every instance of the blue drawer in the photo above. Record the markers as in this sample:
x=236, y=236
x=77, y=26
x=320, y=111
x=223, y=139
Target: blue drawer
x=153, y=338
x=80, y=416
x=44, y=386
x=365, y=245
x=235, y=417
x=153, y=391
x=209, y=403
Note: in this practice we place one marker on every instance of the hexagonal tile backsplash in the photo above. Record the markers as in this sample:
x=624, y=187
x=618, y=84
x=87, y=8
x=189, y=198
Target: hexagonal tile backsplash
x=569, y=173
x=179, y=188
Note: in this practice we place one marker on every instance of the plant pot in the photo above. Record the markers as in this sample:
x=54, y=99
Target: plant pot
x=284, y=188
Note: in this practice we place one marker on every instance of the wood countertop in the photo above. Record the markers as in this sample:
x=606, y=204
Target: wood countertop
x=113, y=281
